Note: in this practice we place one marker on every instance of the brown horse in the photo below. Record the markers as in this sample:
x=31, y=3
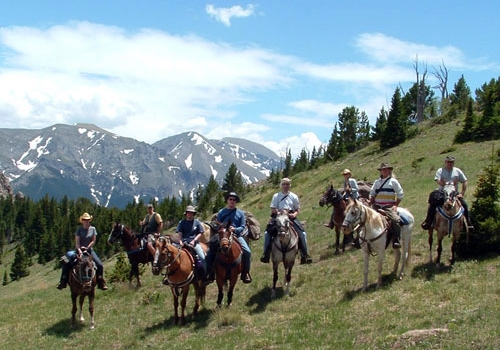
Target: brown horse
x=284, y=250
x=131, y=243
x=449, y=220
x=180, y=273
x=228, y=264
x=82, y=282
x=332, y=197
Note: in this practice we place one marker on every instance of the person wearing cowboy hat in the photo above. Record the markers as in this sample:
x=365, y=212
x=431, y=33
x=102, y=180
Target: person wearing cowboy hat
x=350, y=185
x=151, y=227
x=286, y=200
x=85, y=239
x=448, y=173
x=237, y=222
x=191, y=230
x=386, y=194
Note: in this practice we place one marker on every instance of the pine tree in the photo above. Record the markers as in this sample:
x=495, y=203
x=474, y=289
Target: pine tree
x=397, y=124
x=19, y=268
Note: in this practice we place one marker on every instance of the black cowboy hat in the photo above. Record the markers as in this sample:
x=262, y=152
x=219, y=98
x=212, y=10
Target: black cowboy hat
x=234, y=195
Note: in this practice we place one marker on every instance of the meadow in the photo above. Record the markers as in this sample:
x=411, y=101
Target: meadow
x=445, y=307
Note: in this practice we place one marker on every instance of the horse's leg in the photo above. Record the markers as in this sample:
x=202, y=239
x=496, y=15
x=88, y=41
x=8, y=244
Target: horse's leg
x=81, y=299
x=185, y=292
x=337, y=241
x=289, y=267
x=275, y=279
x=134, y=272
x=439, y=250
x=366, y=258
x=230, y=291
x=406, y=253
x=176, y=305
x=380, y=266
x=91, y=308
x=430, y=240
x=453, y=250
x=74, y=296
x=397, y=259
x=220, y=294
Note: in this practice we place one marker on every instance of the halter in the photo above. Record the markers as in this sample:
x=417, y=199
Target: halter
x=358, y=222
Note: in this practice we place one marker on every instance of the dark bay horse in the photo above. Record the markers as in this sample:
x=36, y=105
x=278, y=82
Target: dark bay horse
x=228, y=264
x=334, y=198
x=82, y=283
x=180, y=272
x=449, y=220
x=284, y=250
x=131, y=243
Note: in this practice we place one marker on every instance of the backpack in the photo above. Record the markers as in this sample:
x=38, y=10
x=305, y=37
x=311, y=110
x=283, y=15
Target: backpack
x=253, y=226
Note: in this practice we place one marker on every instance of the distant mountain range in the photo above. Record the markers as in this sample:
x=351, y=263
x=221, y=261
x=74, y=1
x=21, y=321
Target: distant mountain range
x=84, y=160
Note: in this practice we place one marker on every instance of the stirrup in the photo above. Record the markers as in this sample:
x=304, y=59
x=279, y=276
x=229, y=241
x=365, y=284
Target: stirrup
x=265, y=259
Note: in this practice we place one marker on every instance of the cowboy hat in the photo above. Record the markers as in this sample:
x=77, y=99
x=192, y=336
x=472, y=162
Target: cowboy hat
x=385, y=166
x=286, y=180
x=346, y=171
x=190, y=209
x=85, y=216
x=234, y=195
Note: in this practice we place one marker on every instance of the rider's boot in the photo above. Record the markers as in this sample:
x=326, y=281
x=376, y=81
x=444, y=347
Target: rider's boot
x=101, y=283
x=427, y=223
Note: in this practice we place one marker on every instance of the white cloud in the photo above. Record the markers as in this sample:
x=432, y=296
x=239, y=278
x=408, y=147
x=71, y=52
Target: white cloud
x=224, y=14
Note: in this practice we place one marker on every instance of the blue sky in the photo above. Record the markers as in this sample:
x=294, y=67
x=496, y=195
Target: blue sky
x=274, y=72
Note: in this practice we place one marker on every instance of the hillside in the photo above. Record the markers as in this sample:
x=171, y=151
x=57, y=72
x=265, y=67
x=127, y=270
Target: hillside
x=446, y=308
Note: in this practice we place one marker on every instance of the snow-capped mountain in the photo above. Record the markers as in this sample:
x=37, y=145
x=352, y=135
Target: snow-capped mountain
x=84, y=160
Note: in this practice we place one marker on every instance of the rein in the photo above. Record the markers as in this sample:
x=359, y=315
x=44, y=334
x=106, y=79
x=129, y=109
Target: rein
x=451, y=219
x=361, y=224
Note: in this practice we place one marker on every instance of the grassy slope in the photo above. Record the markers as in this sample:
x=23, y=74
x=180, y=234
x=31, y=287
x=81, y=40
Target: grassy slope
x=458, y=308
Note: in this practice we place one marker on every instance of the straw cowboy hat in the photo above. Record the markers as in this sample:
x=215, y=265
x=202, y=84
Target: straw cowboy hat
x=286, y=180
x=385, y=166
x=189, y=209
x=346, y=171
x=86, y=216
x=234, y=195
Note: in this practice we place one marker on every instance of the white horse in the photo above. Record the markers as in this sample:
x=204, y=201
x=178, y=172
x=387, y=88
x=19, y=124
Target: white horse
x=284, y=250
x=374, y=239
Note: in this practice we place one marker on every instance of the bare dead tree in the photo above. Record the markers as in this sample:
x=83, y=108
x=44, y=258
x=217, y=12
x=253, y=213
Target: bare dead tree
x=421, y=91
x=441, y=74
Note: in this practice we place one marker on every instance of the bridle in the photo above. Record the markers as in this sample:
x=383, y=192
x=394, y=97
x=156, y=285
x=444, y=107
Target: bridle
x=169, y=261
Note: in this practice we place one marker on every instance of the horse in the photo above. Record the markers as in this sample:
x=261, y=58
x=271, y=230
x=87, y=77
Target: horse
x=284, y=250
x=228, y=264
x=131, y=243
x=449, y=220
x=180, y=272
x=332, y=197
x=374, y=236
x=82, y=282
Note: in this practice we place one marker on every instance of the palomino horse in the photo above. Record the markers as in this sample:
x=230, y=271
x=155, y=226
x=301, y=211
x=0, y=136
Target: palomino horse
x=131, y=243
x=228, y=264
x=284, y=250
x=82, y=282
x=180, y=272
x=333, y=197
x=374, y=238
x=449, y=220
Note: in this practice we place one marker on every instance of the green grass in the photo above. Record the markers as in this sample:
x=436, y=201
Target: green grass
x=446, y=308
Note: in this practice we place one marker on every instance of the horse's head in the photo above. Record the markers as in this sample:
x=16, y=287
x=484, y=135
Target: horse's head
x=450, y=195
x=331, y=196
x=225, y=237
x=116, y=233
x=353, y=216
x=162, y=254
x=86, y=270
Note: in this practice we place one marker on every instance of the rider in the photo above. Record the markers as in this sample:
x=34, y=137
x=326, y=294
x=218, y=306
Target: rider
x=85, y=238
x=236, y=218
x=150, y=226
x=386, y=194
x=286, y=200
x=191, y=230
x=448, y=173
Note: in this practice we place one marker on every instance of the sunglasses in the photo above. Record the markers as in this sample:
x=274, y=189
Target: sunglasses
x=231, y=199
